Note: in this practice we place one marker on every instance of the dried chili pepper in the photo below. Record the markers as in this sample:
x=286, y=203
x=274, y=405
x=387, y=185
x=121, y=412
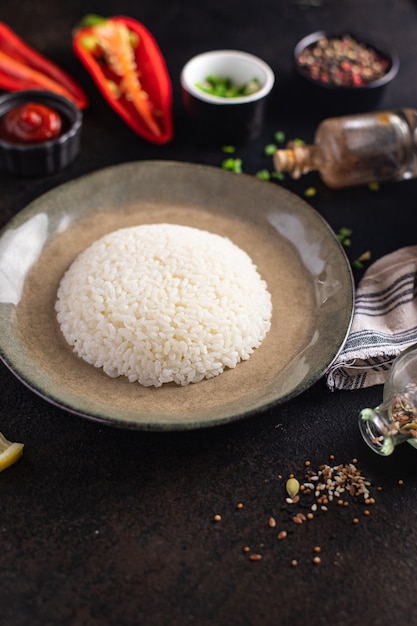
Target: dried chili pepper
x=128, y=67
x=22, y=67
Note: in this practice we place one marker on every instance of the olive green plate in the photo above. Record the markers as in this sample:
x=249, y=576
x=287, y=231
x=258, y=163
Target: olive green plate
x=294, y=249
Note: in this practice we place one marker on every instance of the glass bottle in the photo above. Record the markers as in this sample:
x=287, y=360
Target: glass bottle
x=395, y=419
x=357, y=149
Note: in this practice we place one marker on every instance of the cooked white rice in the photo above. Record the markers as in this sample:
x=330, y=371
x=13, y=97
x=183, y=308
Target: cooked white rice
x=163, y=303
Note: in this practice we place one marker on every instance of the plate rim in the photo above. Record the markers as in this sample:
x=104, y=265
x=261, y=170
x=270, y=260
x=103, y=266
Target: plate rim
x=32, y=208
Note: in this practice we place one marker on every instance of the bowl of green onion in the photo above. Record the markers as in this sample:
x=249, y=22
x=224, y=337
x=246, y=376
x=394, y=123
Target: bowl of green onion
x=225, y=92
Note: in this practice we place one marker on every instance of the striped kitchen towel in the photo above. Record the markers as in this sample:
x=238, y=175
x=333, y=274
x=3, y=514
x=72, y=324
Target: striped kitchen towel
x=384, y=322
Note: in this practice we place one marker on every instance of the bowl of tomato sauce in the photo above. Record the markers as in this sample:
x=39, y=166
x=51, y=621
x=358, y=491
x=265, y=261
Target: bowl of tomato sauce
x=40, y=133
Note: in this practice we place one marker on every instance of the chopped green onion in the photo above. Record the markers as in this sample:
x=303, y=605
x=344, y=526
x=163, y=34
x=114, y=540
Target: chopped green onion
x=279, y=136
x=228, y=149
x=263, y=175
x=270, y=149
x=225, y=88
x=344, y=235
x=278, y=175
x=299, y=142
x=357, y=264
x=233, y=165
x=373, y=186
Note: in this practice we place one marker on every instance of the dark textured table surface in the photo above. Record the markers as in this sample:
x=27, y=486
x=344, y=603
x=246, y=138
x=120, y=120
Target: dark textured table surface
x=105, y=526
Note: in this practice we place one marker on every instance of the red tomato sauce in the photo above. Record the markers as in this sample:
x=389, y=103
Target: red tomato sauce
x=30, y=123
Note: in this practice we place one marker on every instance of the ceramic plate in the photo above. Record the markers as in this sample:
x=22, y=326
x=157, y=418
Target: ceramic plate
x=294, y=249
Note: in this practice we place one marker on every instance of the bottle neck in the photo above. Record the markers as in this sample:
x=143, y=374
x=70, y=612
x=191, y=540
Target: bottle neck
x=380, y=431
x=296, y=160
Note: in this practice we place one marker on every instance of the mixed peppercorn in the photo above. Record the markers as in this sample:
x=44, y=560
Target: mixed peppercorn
x=343, y=62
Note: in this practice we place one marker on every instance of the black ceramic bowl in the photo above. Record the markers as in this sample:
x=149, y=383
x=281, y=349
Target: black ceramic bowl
x=235, y=119
x=44, y=157
x=335, y=91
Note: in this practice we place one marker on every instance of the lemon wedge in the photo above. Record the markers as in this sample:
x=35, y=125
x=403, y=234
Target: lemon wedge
x=10, y=452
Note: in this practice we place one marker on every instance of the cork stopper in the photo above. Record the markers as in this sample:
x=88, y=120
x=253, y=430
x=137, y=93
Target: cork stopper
x=294, y=159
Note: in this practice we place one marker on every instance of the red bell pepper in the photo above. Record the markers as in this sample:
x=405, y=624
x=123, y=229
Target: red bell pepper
x=128, y=68
x=21, y=67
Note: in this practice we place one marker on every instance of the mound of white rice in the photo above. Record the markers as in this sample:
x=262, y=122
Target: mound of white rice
x=161, y=302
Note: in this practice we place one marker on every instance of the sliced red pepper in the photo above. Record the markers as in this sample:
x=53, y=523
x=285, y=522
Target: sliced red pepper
x=21, y=67
x=127, y=66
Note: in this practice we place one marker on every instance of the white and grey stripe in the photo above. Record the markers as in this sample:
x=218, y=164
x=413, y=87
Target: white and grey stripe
x=384, y=322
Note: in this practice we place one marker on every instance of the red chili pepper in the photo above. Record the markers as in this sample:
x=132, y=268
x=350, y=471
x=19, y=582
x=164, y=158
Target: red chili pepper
x=21, y=67
x=128, y=68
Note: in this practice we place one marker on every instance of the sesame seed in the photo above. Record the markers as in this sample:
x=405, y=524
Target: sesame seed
x=317, y=560
x=294, y=562
x=239, y=505
x=355, y=520
x=317, y=549
x=282, y=535
x=271, y=522
x=217, y=518
x=246, y=549
x=255, y=557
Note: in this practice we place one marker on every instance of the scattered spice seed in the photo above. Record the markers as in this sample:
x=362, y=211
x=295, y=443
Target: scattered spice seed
x=271, y=522
x=355, y=520
x=317, y=549
x=342, y=61
x=246, y=549
x=310, y=192
x=367, y=512
x=282, y=535
x=239, y=505
x=317, y=560
x=365, y=256
x=400, y=482
x=217, y=518
x=255, y=557
x=299, y=518
x=294, y=562
x=292, y=486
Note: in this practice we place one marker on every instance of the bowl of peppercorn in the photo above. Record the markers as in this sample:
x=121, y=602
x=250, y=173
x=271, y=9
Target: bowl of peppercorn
x=39, y=132
x=344, y=72
x=225, y=93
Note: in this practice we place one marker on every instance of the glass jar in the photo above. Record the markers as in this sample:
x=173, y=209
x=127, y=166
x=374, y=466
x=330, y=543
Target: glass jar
x=395, y=419
x=357, y=149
